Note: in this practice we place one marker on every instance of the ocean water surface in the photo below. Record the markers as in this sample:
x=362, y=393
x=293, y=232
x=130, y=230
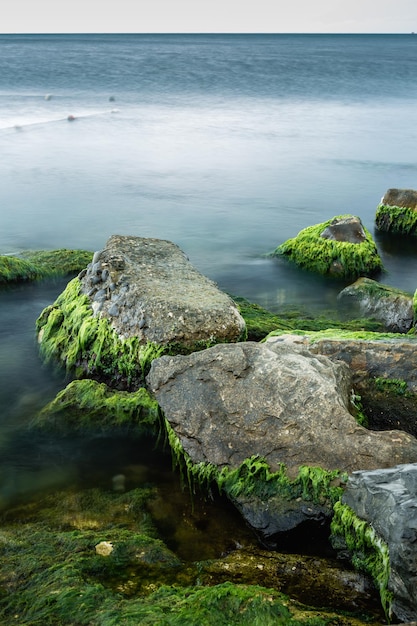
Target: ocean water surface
x=224, y=144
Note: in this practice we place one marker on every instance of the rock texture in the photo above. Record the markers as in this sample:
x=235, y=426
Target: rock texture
x=348, y=229
x=148, y=288
x=401, y=198
x=386, y=499
x=275, y=400
x=392, y=307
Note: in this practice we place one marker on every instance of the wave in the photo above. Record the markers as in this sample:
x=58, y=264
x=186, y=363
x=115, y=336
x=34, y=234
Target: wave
x=33, y=122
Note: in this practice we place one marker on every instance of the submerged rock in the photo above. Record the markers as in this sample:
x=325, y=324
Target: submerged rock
x=393, y=307
x=341, y=247
x=397, y=212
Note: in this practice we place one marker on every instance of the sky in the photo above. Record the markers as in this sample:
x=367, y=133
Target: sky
x=208, y=16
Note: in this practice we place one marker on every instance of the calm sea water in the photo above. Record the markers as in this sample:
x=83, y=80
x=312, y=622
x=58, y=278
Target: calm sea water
x=226, y=145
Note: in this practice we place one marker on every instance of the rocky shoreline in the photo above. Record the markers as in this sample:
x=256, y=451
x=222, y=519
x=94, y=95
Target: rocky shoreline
x=269, y=412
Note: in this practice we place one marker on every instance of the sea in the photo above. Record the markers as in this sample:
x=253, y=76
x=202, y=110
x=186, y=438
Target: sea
x=226, y=145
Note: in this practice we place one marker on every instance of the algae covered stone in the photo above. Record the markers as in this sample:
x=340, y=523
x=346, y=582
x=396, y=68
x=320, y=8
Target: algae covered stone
x=341, y=247
x=397, y=212
x=34, y=265
x=137, y=299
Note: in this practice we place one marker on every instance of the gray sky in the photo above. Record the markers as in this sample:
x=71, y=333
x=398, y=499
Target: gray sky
x=199, y=16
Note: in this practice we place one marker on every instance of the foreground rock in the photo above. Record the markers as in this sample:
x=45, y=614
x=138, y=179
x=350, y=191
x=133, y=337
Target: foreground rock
x=386, y=499
x=276, y=401
x=137, y=299
x=341, y=247
x=397, y=212
x=393, y=307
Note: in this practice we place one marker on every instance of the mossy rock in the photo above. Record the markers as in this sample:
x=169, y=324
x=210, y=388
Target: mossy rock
x=260, y=322
x=330, y=257
x=71, y=336
x=86, y=405
x=397, y=220
x=34, y=265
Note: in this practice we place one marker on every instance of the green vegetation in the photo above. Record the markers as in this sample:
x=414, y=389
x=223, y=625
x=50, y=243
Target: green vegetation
x=338, y=334
x=395, y=219
x=34, y=265
x=87, y=345
x=330, y=257
x=358, y=411
x=369, y=552
x=393, y=386
x=86, y=405
x=254, y=477
x=260, y=322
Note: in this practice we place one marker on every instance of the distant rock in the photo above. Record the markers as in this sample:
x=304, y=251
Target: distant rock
x=341, y=247
x=393, y=307
x=397, y=212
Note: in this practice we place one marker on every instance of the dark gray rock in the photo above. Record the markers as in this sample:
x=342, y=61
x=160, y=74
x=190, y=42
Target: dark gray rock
x=160, y=296
x=392, y=307
x=387, y=499
x=348, y=229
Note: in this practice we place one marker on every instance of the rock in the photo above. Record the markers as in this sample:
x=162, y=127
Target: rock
x=277, y=401
x=401, y=198
x=160, y=296
x=348, y=229
x=397, y=212
x=386, y=499
x=341, y=247
x=139, y=298
x=392, y=307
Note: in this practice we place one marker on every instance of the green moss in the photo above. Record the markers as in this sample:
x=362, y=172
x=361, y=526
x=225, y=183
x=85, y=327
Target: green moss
x=329, y=257
x=338, y=334
x=395, y=219
x=358, y=411
x=13, y=269
x=369, y=552
x=260, y=322
x=69, y=333
x=390, y=386
x=34, y=265
x=254, y=477
x=88, y=405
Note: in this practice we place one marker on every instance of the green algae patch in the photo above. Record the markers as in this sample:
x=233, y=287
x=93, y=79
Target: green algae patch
x=369, y=552
x=396, y=219
x=86, y=405
x=13, y=269
x=260, y=322
x=69, y=333
x=255, y=478
x=338, y=334
x=35, y=265
x=328, y=257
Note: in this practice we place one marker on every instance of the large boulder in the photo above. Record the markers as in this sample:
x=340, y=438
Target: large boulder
x=393, y=307
x=387, y=500
x=276, y=401
x=397, y=212
x=340, y=247
x=137, y=298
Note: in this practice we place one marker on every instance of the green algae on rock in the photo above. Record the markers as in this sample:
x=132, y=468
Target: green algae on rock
x=312, y=249
x=86, y=405
x=397, y=212
x=69, y=333
x=35, y=265
x=368, y=551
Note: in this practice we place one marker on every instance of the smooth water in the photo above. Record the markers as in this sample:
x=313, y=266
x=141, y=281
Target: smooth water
x=226, y=145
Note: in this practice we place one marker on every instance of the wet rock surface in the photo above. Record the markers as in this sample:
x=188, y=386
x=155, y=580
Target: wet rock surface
x=386, y=498
x=348, y=229
x=392, y=307
x=400, y=197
